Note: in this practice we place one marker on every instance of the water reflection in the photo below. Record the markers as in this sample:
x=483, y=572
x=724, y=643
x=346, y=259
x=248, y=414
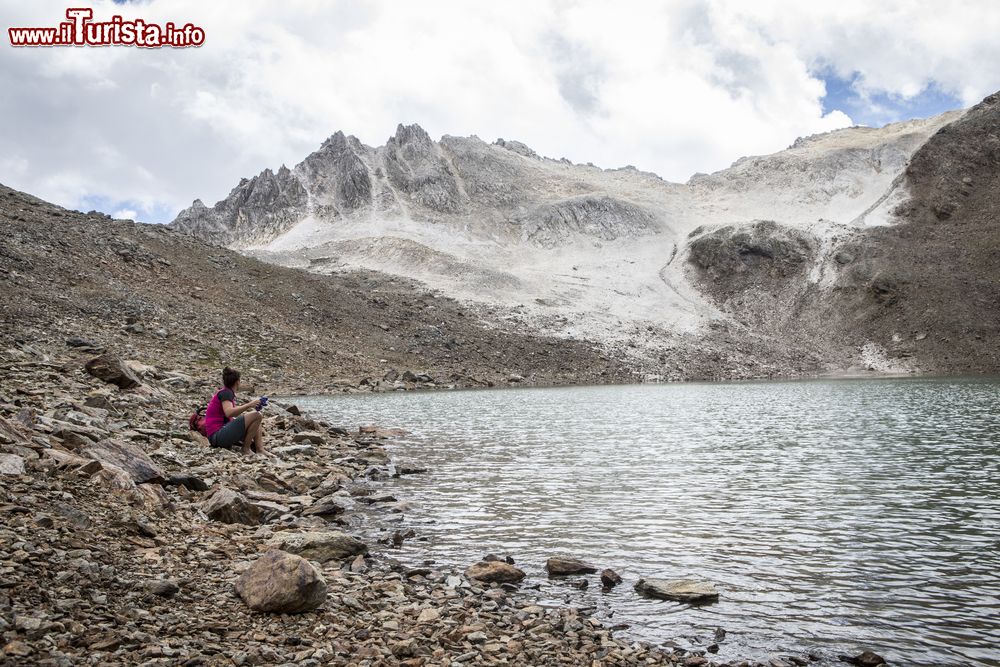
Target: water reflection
x=832, y=514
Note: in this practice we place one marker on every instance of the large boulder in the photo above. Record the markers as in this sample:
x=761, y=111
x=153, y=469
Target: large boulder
x=126, y=456
x=561, y=567
x=320, y=546
x=679, y=590
x=113, y=370
x=282, y=583
x=495, y=572
x=228, y=506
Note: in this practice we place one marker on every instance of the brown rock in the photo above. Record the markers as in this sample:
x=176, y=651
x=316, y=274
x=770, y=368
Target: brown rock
x=561, y=567
x=610, y=578
x=229, y=506
x=313, y=437
x=680, y=590
x=11, y=464
x=17, y=649
x=320, y=546
x=495, y=572
x=13, y=432
x=868, y=659
x=113, y=370
x=328, y=506
x=165, y=588
x=128, y=457
x=283, y=583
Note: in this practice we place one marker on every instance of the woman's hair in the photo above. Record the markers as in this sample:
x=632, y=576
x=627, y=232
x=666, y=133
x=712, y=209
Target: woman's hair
x=230, y=377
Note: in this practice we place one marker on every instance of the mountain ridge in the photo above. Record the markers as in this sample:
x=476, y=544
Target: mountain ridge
x=611, y=255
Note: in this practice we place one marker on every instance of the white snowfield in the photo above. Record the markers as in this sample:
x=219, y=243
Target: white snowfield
x=584, y=252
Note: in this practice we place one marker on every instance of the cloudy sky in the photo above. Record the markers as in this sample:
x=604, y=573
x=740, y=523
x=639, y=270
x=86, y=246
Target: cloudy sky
x=675, y=86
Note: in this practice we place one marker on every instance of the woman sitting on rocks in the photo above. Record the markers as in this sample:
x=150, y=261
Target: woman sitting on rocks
x=225, y=422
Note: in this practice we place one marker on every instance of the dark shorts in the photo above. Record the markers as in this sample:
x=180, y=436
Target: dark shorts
x=230, y=434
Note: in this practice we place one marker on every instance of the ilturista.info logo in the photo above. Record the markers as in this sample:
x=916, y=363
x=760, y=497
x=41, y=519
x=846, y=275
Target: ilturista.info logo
x=81, y=30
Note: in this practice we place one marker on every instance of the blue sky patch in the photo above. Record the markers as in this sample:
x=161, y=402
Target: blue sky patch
x=877, y=109
x=117, y=208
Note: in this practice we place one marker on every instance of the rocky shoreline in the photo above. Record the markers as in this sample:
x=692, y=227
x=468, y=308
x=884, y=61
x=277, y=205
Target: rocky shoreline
x=123, y=537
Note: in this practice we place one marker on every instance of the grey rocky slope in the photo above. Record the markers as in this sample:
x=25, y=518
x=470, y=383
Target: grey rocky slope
x=765, y=250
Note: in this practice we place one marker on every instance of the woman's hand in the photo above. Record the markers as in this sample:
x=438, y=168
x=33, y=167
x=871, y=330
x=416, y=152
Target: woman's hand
x=232, y=410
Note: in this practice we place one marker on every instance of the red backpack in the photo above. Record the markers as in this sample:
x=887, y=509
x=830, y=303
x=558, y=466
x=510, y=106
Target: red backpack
x=197, y=422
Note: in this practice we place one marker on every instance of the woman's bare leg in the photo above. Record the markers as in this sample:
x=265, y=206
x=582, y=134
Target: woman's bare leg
x=252, y=422
x=259, y=442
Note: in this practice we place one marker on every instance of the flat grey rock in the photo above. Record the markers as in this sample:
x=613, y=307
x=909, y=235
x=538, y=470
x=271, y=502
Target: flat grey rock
x=679, y=590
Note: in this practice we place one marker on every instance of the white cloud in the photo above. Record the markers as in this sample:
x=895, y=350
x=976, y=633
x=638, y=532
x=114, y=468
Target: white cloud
x=672, y=87
x=125, y=214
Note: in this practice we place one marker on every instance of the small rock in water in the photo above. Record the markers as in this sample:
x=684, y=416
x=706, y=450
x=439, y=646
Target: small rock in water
x=610, y=578
x=680, y=590
x=283, y=583
x=494, y=572
x=865, y=659
x=561, y=567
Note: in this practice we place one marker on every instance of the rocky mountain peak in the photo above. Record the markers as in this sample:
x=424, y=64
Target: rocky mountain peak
x=410, y=134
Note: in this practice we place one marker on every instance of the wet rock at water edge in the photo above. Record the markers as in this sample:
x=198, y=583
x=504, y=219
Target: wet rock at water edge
x=326, y=507
x=282, y=583
x=865, y=659
x=320, y=546
x=229, y=506
x=494, y=572
x=110, y=368
x=610, y=578
x=678, y=590
x=561, y=567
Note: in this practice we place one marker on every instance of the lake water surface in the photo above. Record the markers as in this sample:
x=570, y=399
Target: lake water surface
x=834, y=516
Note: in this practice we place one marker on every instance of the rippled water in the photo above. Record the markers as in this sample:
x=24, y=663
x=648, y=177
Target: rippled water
x=833, y=515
